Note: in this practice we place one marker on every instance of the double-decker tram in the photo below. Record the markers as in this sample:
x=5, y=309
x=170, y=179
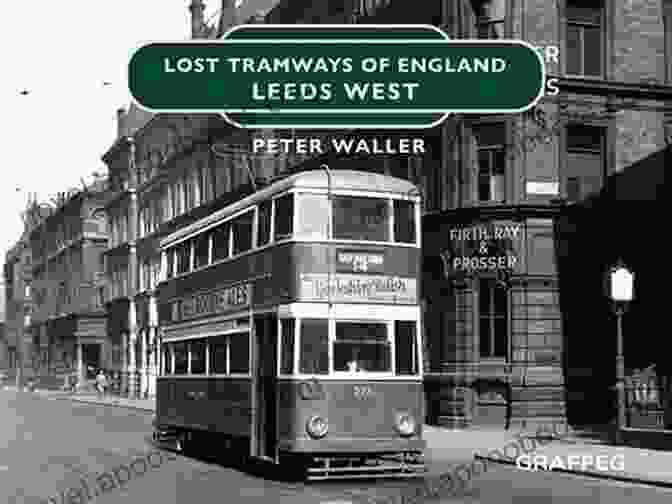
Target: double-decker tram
x=291, y=327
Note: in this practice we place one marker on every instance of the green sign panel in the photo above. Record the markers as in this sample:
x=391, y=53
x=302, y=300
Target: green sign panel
x=336, y=82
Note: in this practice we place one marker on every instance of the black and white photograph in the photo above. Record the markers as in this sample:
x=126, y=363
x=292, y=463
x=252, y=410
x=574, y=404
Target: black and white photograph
x=248, y=259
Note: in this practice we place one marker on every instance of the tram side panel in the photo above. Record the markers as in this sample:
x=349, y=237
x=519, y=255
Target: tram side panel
x=220, y=405
x=361, y=415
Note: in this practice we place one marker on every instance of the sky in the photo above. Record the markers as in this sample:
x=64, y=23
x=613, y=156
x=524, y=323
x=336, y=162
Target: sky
x=62, y=52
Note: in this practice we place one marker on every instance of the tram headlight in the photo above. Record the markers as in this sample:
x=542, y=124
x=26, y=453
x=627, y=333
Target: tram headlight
x=405, y=424
x=317, y=427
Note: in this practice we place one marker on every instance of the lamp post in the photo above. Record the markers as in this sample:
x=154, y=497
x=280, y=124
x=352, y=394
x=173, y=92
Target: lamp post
x=621, y=281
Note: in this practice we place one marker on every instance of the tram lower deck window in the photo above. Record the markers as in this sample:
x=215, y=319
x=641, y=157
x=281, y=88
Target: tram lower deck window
x=197, y=356
x=361, y=347
x=240, y=353
x=180, y=353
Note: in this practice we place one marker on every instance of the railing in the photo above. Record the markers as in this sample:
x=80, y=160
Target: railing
x=648, y=404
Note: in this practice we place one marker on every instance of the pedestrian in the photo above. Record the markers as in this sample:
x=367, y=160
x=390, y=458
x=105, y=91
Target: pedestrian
x=101, y=383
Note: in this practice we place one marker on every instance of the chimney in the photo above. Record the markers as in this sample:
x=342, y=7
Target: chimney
x=228, y=17
x=121, y=122
x=197, y=7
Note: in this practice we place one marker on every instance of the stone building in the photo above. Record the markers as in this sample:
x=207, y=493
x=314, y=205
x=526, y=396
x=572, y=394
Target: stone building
x=166, y=170
x=495, y=186
x=68, y=324
x=17, y=283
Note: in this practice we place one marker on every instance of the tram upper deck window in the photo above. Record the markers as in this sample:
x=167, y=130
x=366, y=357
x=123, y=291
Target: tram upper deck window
x=314, y=347
x=313, y=210
x=220, y=242
x=284, y=216
x=404, y=221
x=180, y=352
x=197, y=356
x=362, y=219
x=264, y=230
x=183, y=251
x=241, y=228
x=362, y=346
x=406, y=351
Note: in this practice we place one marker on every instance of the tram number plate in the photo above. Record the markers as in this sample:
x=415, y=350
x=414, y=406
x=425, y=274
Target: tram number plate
x=363, y=392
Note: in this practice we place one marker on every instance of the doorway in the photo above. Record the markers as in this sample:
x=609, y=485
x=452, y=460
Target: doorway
x=91, y=359
x=265, y=330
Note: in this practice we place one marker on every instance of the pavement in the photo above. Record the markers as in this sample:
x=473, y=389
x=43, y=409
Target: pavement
x=499, y=446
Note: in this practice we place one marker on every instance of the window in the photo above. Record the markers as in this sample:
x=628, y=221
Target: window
x=230, y=354
x=241, y=228
x=585, y=21
x=667, y=28
x=584, y=168
x=493, y=318
x=197, y=356
x=190, y=191
x=313, y=216
x=358, y=218
x=201, y=250
x=218, y=355
x=287, y=346
x=405, y=347
x=404, y=221
x=180, y=352
x=284, y=216
x=220, y=242
x=490, y=139
x=490, y=15
x=183, y=251
x=264, y=229
x=239, y=351
x=314, y=347
x=361, y=347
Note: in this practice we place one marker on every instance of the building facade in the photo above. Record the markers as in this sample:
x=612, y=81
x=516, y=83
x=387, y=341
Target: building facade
x=166, y=171
x=495, y=186
x=68, y=324
x=17, y=281
x=496, y=332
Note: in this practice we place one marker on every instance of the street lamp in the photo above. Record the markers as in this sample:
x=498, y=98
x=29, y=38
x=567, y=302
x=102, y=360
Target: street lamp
x=621, y=281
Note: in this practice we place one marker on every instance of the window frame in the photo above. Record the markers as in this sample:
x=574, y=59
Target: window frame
x=582, y=25
x=492, y=150
x=566, y=151
x=667, y=31
x=389, y=325
x=492, y=317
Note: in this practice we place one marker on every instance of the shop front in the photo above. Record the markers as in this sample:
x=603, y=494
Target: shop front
x=492, y=317
x=623, y=223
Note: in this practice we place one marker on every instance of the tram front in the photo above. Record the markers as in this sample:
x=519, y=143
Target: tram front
x=350, y=353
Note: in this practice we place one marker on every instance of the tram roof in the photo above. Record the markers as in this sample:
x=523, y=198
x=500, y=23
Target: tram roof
x=341, y=180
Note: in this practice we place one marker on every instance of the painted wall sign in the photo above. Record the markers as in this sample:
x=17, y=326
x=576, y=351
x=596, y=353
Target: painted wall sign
x=482, y=248
x=358, y=288
x=211, y=303
x=355, y=261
